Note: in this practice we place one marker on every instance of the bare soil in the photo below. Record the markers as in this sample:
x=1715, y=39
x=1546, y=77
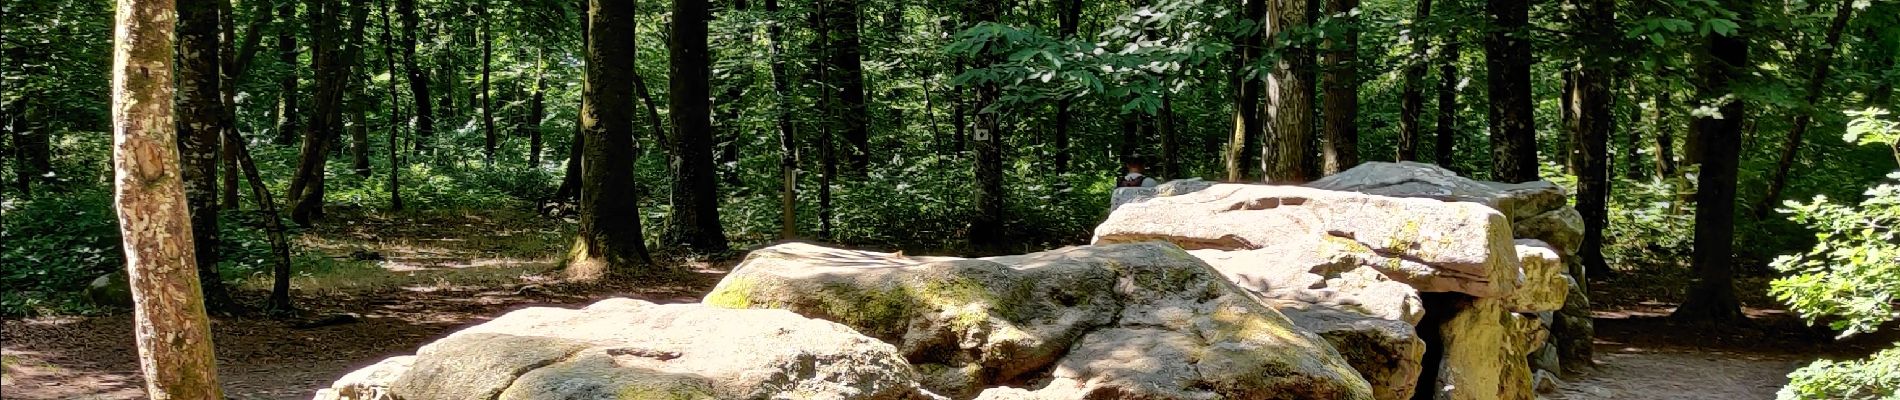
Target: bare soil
x=433, y=286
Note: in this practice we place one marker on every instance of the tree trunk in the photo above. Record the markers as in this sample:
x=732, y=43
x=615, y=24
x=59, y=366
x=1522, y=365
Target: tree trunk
x=1069, y=22
x=694, y=222
x=827, y=113
x=571, y=176
x=787, y=142
x=1712, y=296
x=1342, y=90
x=1412, y=96
x=1290, y=95
x=537, y=109
x=847, y=78
x=287, y=114
x=279, y=301
x=1665, y=137
x=172, y=332
x=332, y=49
x=609, y=241
x=1248, y=127
x=200, y=119
x=986, y=227
x=1632, y=136
x=1804, y=116
x=418, y=77
x=1448, y=85
x=1507, y=54
x=1568, y=153
x=395, y=111
x=359, y=123
x=726, y=128
x=1170, y=165
x=1592, y=124
x=488, y=96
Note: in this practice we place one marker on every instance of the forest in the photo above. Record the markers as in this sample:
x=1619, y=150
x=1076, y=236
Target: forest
x=313, y=185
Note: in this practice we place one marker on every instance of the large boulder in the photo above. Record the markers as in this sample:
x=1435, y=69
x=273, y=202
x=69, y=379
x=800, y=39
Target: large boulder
x=630, y=349
x=1413, y=179
x=1433, y=246
x=368, y=383
x=1561, y=228
x=1546, y=282
x=1485, y=353
x=1141, y=321
x=1388, y=353
x=1306, y=272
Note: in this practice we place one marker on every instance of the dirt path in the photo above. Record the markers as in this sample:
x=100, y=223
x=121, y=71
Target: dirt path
x=1676, y=374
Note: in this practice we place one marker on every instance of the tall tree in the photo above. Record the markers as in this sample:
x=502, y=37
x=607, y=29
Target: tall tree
x=1342, y=87
x=488, y=96
x=173, y=334
x=332, y=52
x=395, y=110
x=1068, y=23
x=609, y=241
x=1823, y=60
x=1712, y=296
x=1288, y=148
x=1665, y=137
x=729, y=104
x=782, y=116
x=695, y=220
x=1448, y=85
x=537, y=109
x=418, y=77
x=845, y=57
x=287, y=114
x=1248, y=127
x=986, y=227
x=360, y=103
x=1507, y=58
x=1592, y=124
x=201, y=119
x=1412, y=95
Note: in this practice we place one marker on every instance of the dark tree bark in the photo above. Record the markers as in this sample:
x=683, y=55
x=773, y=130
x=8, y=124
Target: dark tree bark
x=1712, y=296
x=32, y=147
x=695, y=195
x=418, y=77
x=571, y=177
x=728, y=107
x=332, y=50
x=609, y=242
x=986, y=227
x=537, y=109
x=1288, y=147
x=1632, y=136
x=827, y=116
x=1803, y=117
x=1592, y=123
x=1507, y=54
x=847, y=78
x=395, y=110
x=1447, y=128
x=1412, y=96
x=1248, y=126
x=1069, y=23
x=173, y=334
x=488, y=96
x=287, y=115
x=1341, y=81
x=360, y=103
x=787, y=142
x=279, y=301
x=200, y=120
x=1170, y=165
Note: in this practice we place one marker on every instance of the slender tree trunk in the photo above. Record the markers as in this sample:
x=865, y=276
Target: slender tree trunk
x=537, y=109
x=1290, y=95
x=227, y=157
x=287, y=113
x=986, y=226
x=827, y=120
x=359, y=123
x=1592, y=124
x=728, y=107
x=1712, y=296
x=1791, y=148
x=1567, y=151
x=695, y=191
x=847, y=78
x=571, y=177
x=333, y=48
x=488, y=96
x=279, y=301
x=1507, y=54
x=1665, y=137
x=787, y=142
x=201, y=118
x=32, y=148
x=1069, y=23
x=1248, y=127
x=1170, y=165
x=1448, y=85
x=1341, y=81
x=395, y=110
x=418, y=77
x=172, y=331
x=1632, y=134
x=609, y=242
x=1412, y=96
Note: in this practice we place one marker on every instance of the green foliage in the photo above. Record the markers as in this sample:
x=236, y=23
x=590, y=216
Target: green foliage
x=1850, y=277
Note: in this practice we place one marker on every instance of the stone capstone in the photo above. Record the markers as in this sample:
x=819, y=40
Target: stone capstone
x=1142, y=320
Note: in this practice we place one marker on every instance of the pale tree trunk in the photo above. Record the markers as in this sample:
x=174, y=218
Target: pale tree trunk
x=609, y=242
x=1341, y=81
x=1288, y=147
x=169, y=322
x=1507, y=54
x=1412, y=96
x=200, y=120
x=1804, y=116
x=787, y=142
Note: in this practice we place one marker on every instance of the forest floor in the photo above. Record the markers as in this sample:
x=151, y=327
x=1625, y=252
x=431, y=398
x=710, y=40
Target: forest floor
x=435, y=276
